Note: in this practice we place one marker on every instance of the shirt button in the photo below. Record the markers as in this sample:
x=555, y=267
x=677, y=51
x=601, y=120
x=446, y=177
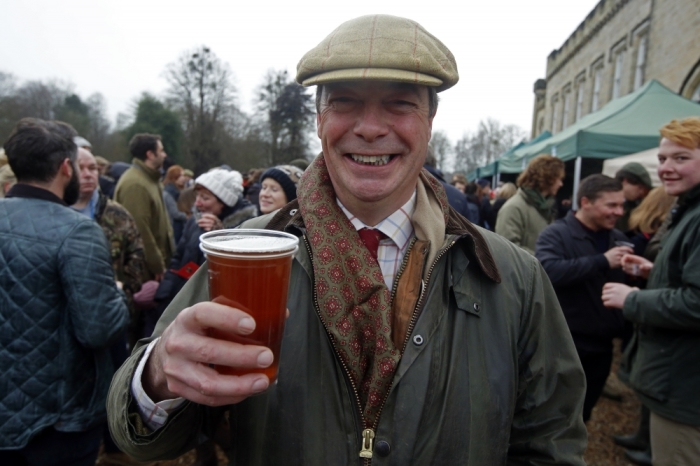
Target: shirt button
x=477, y=308
x=382, y=448
x=418, y=340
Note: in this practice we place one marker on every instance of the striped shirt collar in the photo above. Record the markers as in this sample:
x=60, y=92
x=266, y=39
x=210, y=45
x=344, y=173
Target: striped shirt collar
x=397, y=226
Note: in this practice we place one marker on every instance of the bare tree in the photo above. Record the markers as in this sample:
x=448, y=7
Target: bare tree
x=442, y=148
x=201, y=89
x=486, y=145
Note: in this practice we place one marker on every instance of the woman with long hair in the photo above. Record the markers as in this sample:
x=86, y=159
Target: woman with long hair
x=523, y=217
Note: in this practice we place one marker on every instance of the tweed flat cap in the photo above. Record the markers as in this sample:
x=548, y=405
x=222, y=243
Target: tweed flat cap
x=383, y=48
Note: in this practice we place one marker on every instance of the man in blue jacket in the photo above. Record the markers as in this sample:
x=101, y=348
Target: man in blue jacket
x=580, y=253
x=60, y=307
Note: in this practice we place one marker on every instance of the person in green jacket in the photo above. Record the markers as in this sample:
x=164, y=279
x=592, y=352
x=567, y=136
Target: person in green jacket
x=523, y=217
x=140, y=192
x=442, y=344
x=661, y=361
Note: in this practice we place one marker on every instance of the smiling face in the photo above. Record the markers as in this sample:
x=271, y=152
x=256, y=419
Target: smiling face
x=272, y=196
x=375, y=137
x=206, y=202
x=679, y=167
x=603, y=212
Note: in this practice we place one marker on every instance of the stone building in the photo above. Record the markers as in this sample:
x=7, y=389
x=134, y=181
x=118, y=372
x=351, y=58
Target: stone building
x=618, y=47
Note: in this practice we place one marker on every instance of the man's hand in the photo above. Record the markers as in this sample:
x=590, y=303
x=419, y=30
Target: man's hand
x=179, y=363
x=614, y=255
x=636, y=266
x=209, y=222
x=614, y=294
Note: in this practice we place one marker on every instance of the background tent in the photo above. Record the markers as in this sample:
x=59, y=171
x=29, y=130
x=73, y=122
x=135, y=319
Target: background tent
x=494, y=168
x=648, y=159
x=626, y=125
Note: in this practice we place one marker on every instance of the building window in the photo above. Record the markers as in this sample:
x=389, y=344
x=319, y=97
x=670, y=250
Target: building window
x=565, y=119
x=617, y=75
x=597, y=81
x=579, y=99
x=641, y=61
x=555, y=122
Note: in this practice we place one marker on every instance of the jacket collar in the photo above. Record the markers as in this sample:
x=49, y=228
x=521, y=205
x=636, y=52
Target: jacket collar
x=150, y=172
x=33, y=192
x=576, y=227
x=289, y=218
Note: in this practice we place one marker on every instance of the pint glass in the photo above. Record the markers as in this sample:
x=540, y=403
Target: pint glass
x=249, y=270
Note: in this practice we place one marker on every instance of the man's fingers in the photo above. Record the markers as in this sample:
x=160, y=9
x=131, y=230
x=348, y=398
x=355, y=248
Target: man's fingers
x=203, y=316
x=205, y=385
x=208, y=350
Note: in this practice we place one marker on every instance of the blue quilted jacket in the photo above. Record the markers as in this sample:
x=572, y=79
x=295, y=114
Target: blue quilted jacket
x=59, y=312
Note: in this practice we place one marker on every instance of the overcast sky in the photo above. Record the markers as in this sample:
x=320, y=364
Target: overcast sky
x=120, y=48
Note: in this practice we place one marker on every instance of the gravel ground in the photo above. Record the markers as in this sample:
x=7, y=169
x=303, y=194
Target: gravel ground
x=608, y=418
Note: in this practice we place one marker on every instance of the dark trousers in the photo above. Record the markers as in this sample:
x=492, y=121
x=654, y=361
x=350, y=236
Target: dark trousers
x=53, y=448
x=596, y=366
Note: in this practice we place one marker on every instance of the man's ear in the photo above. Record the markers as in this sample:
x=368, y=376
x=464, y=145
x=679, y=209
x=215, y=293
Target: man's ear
x=67, y=167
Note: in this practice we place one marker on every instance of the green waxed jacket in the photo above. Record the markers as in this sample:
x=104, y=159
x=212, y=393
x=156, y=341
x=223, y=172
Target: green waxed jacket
x=139, y=191
x=661, y=361
x=490, y=375
x=520, y=222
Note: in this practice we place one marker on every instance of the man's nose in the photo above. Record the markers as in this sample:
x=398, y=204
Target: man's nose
x=371, y=123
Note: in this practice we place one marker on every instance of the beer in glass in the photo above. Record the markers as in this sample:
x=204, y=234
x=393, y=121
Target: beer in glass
x=250, y=270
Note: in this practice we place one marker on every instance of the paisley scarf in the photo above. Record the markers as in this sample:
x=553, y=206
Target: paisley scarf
x=353, y=301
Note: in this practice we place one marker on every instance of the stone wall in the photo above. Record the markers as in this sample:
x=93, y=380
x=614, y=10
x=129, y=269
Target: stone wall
x=658, y=35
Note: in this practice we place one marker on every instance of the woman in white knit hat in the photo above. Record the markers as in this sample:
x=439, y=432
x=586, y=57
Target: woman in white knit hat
x=219, y=204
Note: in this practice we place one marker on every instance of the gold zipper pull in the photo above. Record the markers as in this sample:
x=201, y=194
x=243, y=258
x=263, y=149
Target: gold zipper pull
x=367, y=440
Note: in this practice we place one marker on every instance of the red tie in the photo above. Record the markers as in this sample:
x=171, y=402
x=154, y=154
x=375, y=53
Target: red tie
x=371, y=239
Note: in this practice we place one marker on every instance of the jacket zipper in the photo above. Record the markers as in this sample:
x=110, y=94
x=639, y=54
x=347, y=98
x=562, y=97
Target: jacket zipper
x=368, y=434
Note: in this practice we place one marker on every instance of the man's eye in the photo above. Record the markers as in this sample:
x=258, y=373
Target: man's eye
x=342, y=103
x=401, y=105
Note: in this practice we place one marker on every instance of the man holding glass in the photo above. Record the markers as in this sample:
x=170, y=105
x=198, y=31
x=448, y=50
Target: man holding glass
x=414, y=337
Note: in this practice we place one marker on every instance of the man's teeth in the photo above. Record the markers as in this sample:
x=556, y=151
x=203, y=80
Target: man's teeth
x=371, y=159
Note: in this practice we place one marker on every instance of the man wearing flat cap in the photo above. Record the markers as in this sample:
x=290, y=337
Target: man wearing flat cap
x=441, y=344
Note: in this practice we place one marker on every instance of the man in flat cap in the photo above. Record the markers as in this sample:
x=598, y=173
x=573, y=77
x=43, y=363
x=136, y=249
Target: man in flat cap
x=441, y=344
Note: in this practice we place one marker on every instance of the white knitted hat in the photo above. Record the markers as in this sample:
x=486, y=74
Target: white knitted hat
x=224, y=184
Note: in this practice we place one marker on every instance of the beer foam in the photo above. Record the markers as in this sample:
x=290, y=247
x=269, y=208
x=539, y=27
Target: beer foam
x=251, y=244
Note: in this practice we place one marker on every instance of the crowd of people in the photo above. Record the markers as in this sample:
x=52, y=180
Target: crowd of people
x=478, y=326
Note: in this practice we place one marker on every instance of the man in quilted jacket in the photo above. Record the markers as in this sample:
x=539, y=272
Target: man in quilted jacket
x=60, y=307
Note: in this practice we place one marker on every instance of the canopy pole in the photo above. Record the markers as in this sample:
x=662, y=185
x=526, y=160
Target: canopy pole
x=497, y=180
x=577, y=180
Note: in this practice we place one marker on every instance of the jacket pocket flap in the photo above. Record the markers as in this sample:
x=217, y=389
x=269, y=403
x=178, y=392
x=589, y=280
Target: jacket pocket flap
x=467, y=303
